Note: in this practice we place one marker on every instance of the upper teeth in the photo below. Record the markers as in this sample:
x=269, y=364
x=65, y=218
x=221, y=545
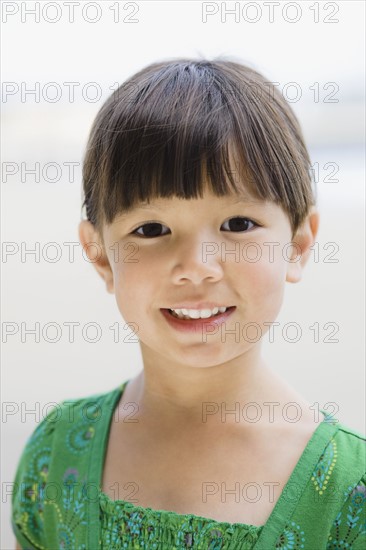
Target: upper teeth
x=199, y=313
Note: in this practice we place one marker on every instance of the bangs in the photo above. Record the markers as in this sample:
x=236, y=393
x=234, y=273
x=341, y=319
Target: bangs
x=176, y=129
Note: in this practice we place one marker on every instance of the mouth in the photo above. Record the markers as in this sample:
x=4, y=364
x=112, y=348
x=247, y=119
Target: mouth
x=185, y=322
x=195, y=315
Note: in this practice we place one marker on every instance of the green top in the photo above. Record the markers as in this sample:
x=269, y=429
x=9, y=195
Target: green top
x=57, y=500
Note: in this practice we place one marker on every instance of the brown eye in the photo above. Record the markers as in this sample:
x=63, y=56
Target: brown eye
x=239, y=224
x=151, y=230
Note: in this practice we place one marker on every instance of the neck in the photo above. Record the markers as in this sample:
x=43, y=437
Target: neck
x=172, y=394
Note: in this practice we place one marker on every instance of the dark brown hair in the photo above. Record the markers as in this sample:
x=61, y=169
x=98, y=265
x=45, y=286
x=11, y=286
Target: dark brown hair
x=176, y=125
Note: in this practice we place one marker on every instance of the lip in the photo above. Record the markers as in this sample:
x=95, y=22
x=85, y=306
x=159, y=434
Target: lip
x=199, y=305
x=196, y=325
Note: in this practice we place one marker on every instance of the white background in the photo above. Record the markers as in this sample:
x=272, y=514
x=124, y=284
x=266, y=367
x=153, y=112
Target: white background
x=107, y=52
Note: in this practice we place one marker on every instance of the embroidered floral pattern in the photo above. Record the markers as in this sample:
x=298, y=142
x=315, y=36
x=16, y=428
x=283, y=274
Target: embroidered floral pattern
x=123, y=525
x=292, y=538
x=323, y=471
x=350, y=523
x=30, y=492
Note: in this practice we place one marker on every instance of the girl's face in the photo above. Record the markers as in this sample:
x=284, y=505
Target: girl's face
x=222, y=250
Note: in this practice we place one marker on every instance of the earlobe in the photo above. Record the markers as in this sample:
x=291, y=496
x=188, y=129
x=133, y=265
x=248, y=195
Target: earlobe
x=302, y=243
x=93, y=248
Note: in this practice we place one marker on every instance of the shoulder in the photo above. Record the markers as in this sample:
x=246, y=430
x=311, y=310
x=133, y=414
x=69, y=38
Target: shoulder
x=330, y=511
x=351, y=444
x=29, y=483
x=349, y=525
x=56, y=445
x=346, y=455
x=354, y=434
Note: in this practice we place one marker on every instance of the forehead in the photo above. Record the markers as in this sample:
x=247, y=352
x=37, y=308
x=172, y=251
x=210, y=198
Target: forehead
x=162, y=204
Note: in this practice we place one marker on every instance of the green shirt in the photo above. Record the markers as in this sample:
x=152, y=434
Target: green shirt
x=57, y=502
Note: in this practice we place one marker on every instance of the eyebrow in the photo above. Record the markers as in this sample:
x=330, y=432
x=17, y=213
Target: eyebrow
x=246, y=200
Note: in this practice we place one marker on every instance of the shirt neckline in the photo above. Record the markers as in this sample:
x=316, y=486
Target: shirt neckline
x=282, y=510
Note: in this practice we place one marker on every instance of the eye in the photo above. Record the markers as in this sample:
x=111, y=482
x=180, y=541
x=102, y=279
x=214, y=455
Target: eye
x=240, y=224
x=152, y=229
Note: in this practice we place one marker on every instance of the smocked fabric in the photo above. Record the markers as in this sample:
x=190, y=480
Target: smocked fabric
x=128, y=526
x=57, y=502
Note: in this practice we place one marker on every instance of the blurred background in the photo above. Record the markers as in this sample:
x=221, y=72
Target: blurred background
x=72, y=62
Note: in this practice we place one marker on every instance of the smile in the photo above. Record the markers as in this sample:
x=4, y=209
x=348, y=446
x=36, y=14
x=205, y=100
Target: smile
x=197, y=313
x=187, y=323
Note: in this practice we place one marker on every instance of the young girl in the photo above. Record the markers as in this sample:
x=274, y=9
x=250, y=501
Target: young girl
x=207, y=447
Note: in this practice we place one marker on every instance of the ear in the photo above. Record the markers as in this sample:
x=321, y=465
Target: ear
x=95, y=250
x=303, y=241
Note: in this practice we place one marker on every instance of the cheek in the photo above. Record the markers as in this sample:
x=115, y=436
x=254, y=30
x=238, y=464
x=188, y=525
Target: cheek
x=263, y=284
x=133, y=283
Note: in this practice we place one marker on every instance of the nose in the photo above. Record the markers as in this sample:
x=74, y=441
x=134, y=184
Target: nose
x=197, y=260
